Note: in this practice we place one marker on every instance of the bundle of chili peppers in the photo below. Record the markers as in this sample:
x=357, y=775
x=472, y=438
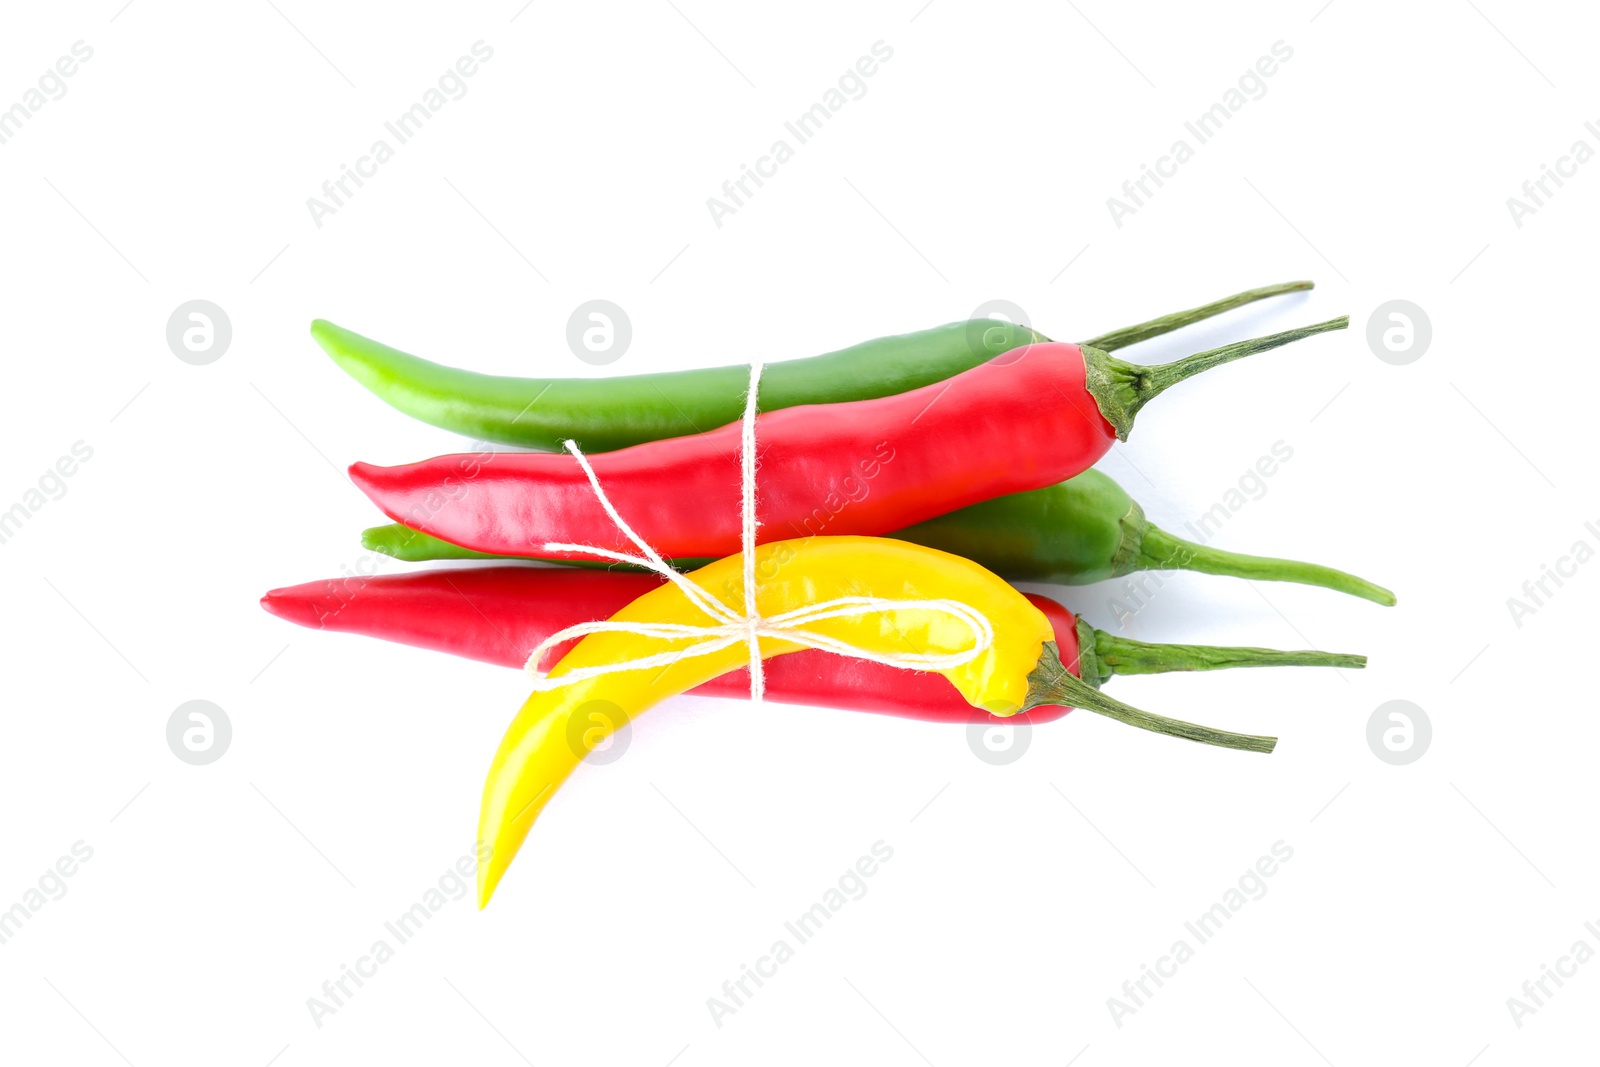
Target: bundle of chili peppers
x=902, y=482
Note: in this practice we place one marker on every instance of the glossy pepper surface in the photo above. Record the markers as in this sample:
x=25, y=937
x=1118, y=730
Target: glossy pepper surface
x=1025, y=420
x=1020, y=670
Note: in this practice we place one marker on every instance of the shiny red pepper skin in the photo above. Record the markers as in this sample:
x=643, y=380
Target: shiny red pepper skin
x=500, y=614
x=1021, y=421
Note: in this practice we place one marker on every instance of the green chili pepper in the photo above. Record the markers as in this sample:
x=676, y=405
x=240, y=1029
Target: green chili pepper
x=603, y=414
x=1086, y=529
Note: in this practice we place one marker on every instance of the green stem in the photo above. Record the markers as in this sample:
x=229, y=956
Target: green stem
x=1122, y=388
x=1132, y=335
x=1160, y=550
x=1101, y=655
x=1051, y=684
x=1123, y=655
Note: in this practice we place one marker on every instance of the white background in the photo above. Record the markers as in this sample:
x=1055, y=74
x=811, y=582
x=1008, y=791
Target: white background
x=977, y=166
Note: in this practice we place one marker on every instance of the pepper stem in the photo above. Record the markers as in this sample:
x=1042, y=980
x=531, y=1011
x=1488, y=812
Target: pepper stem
x=1160, y=550
x=1051, y=684
x=1132, y=335
x=1122, y=388
x=1123, y=655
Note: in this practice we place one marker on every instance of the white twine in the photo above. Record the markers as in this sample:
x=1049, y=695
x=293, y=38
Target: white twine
x=728, y=628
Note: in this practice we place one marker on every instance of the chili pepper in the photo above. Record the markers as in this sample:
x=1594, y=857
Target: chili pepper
x=1085, y=529
x=602, y=414
x=1033, y=416
x=499, y=614
x=1020, y=668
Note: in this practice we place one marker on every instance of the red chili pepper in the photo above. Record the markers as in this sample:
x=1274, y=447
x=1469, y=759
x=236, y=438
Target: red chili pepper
x=499, y=614
x=1029, y=418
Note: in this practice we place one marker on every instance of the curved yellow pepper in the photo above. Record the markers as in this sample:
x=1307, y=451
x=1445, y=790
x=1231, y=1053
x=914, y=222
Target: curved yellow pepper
x=542, y=747
x=1021, y=669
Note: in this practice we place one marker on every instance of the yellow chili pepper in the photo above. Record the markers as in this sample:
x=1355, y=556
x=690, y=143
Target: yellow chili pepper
x=555, y=729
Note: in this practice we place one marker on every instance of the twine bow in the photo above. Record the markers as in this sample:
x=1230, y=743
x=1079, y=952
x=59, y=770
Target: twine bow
x=727, y=627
